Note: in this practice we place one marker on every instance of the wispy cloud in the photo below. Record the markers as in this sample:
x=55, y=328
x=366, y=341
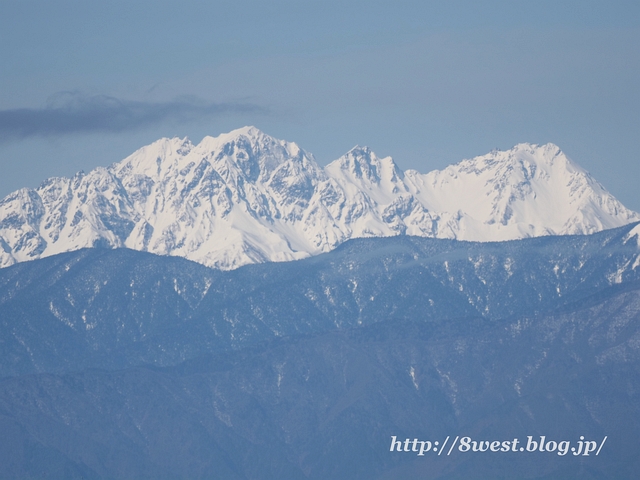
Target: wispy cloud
x=71, y=112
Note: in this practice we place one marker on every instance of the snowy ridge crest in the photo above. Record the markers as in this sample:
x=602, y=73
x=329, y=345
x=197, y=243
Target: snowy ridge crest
x=245, y=197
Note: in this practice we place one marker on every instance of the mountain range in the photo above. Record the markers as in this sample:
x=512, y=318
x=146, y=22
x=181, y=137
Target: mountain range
x=232, y=310
x=245, y=197
x=117, y=308
x=116, y=363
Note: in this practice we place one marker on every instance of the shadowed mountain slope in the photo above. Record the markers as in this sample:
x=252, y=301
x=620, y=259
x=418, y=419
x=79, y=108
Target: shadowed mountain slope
x=117, y=308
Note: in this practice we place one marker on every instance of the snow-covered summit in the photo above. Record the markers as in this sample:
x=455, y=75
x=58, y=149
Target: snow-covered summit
x=529, y=190
x=245, y=197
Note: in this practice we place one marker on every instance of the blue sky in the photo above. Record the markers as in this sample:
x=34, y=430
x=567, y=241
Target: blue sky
x=430, y=83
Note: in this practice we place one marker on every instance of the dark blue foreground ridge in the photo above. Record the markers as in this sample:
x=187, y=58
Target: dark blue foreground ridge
x=117, y=308
x=123, y=364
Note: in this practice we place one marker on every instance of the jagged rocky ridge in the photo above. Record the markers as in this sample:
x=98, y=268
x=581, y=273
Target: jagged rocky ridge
x=245, y=197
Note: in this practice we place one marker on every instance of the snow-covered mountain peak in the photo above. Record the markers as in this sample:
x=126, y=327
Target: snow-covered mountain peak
x=525, y=162
x=245, y=197
x=363, y=170
x=548, y=150
x=523, y=155
x=253, y=151
x=358, y=163
x=247, y=131
x=154, y=160
x=529, y=190
x=250, y=138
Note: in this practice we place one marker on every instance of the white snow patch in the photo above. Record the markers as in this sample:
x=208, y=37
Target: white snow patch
x=412, y=373
x=635, y=232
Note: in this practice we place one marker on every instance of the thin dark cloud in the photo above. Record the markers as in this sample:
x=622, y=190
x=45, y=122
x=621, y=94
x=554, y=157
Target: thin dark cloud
x=71, y=113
